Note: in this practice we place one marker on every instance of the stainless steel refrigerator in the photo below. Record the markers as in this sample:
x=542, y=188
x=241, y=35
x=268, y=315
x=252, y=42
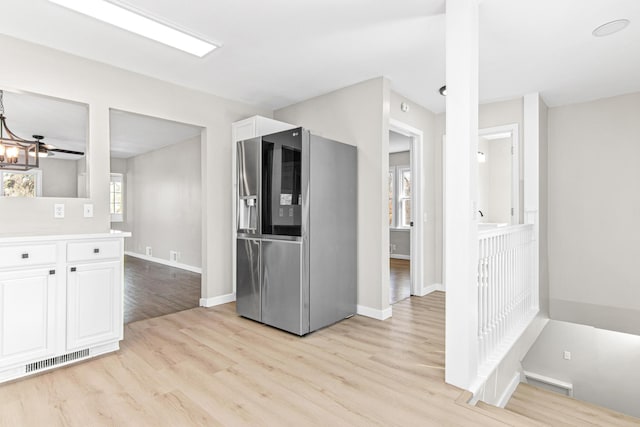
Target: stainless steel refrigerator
x=296, y=225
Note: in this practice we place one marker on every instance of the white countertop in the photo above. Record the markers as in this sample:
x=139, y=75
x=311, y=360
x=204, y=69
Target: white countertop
x=49, y=237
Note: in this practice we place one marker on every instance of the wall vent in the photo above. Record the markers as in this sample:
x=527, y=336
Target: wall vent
x=48, y=363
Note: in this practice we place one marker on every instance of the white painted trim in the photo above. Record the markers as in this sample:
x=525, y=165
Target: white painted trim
x=417, y=202
x=374, y=313
x=512, y=130
x=219, y=300
x=426, y=290
x=165, y=262
x=400, y=256
x=508, y=392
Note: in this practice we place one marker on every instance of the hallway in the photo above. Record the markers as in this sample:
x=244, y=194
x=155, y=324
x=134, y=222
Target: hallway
x=400, y=280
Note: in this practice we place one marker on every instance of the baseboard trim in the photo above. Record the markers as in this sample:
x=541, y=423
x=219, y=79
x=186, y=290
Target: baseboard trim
x=508, y=392
x=374, y=313
x=213, y=301
x=165, y=262
x=400, y=256
x=426, y=290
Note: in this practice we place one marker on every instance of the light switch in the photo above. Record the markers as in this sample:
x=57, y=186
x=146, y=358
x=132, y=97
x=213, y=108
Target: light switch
x=88, y=210
x=58, y=210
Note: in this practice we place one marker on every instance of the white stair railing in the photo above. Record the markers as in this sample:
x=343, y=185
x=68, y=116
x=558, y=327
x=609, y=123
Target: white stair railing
x=507, y=290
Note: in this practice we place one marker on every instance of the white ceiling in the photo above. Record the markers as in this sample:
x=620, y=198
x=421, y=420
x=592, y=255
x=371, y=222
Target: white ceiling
x=135, y=134
x=283, y=51
x=62, y=123
x=398, y=142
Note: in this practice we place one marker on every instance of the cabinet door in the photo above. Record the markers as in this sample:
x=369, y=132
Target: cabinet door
x=27, y=315
x=94, y=304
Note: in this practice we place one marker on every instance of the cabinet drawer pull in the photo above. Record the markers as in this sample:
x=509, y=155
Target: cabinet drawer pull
x=73, y=269
x=25, y=256
x=96, y=251
x=52, y=272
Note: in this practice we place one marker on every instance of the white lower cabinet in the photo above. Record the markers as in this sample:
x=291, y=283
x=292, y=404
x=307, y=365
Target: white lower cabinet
x=60, y=301
x=94, y=304
x=28, y=319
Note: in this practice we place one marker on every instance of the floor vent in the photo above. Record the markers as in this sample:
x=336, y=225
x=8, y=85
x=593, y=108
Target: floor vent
x=48, y=363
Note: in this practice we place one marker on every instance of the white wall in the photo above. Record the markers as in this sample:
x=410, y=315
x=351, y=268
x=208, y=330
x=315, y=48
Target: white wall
x=499, y=170
x=163, y=209
x=594, y=208
x=359, y=115
x=402, y=158
x=103, y=87
x=483, y=181
x=603, y=367
x=59, y=177
x=420, y=118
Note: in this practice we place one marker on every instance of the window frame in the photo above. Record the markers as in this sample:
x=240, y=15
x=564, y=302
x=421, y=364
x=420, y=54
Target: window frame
x=116, y=178
x=400, y=170
x=35, y=172
x=392, y=177
x=396, y=173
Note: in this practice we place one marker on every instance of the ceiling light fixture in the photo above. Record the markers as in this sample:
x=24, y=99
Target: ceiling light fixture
x=611, y=27
x=443, y=90
x=136, y=23
x=15, y=153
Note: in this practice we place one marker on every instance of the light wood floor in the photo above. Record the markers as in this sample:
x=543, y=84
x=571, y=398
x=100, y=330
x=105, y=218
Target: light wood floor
x=211, y=367
x=557, y=410
x=400, y=280
x=153, y=289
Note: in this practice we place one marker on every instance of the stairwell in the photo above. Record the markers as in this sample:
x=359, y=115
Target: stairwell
x=532, y=406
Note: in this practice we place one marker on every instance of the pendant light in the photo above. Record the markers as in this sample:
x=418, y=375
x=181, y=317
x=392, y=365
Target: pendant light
x=15, y=153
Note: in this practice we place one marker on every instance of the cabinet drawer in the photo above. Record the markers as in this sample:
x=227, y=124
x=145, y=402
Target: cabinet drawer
x=93, y=250
x=27, y=255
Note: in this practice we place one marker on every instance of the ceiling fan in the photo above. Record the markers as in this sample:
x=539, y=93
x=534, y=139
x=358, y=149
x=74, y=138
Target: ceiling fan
x=48, y=150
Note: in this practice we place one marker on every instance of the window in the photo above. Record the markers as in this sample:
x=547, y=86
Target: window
x=21, y=183
x=392, y=173
x=399, y=197
x=116, y=200
x=404, y=197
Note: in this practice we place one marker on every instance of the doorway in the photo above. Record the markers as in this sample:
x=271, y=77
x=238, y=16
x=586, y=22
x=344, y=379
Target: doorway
x=155, y=193
x=399, y=216
x=405, y=212
x=498, y=177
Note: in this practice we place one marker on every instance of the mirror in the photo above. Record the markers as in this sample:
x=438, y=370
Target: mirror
x=498, y=177
x=63, y=126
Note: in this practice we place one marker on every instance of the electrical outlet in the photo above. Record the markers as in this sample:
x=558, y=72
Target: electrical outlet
x=88, y=210
x=58, y=210
x=566, y=355
x=148, y=251
x=173, y=256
